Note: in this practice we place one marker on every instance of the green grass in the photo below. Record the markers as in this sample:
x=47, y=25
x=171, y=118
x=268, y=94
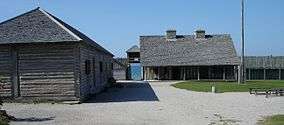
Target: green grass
x=202, y=86
x=272, y=120
x=4, y=120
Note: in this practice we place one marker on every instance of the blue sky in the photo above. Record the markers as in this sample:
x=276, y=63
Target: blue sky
x=117, y=24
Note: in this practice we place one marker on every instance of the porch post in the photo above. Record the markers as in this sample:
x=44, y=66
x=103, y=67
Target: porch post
x=236, y=72
x=145, y=73
x=198, y=74
x=239, y=74
x=183, y=73
x=280, y=74
x=249, y=74
x=170, y=73
x=152, y=73
x=264, y=74
x=209, y=72
x=158, y=73
x=224, y=73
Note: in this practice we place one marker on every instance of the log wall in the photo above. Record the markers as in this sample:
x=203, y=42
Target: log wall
x=96, y=80
x=46, y=70
x=5, y=71
x=55, y=71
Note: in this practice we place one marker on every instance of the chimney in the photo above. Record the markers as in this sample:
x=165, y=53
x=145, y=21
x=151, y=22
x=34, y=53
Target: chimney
x=200, y=34
x=171, y=34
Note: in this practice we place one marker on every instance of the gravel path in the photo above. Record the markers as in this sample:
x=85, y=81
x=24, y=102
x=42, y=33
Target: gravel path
x=158, y=103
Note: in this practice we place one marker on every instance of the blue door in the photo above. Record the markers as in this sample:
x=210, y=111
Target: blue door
x=135, y=69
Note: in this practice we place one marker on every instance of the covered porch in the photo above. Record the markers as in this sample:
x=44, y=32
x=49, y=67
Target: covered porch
x=228, y=72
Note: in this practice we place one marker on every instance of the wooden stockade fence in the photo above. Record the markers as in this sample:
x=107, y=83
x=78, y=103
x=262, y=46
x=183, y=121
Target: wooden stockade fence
x=267, y=91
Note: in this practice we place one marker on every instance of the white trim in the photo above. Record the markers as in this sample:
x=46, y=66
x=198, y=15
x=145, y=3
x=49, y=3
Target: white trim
x=60, y=25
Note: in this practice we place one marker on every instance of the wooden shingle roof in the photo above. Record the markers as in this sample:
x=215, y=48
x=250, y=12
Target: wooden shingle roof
x=40, y=26
x=186, y=50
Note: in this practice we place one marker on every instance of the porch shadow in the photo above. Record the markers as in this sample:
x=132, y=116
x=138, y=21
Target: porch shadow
x=130, y=91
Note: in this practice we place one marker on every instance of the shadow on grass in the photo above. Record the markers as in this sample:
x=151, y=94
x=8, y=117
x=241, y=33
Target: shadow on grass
x=129, y=91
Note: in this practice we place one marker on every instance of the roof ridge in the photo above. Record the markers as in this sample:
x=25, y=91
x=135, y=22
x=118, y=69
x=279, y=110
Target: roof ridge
x=19, y=16
x=59, y=24
x=77, y=33
x=221, y=34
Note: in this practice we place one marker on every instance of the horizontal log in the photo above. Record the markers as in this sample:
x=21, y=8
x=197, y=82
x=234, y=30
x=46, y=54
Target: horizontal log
x=47, y=52
x=5, y=56
x=47, y=73
x=5, y=76
x=4, y=52
x=45, y=70
x=5, y=61
x=41, y=96
x=6, y=87
x=5, y=94
x=46, y=65
x=8, y=83
x=26, y=94
x=47, y=76
x=54, y=47
x=46, y=81
x=47, y=90
x=47, y=59
x=48, y=85
x=5, y=90
x=5, y=71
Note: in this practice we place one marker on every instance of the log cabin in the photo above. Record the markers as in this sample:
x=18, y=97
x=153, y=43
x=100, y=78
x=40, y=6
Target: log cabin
x=42, y=57
x=199, y=56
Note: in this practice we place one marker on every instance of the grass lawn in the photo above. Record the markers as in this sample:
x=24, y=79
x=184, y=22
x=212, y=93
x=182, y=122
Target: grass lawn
x=272, y=120
x=202, y=86
x=4, y=120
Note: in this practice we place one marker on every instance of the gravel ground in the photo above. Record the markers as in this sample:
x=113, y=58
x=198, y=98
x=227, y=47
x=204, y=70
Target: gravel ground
x=156, y=103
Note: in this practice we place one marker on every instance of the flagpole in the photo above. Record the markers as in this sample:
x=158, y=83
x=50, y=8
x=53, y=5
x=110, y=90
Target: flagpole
x=38, y=3
x=242, y=66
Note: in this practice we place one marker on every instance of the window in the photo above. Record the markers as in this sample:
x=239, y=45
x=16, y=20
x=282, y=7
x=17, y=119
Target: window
x=87, y=67
x=101, y=66
x=111, y=65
